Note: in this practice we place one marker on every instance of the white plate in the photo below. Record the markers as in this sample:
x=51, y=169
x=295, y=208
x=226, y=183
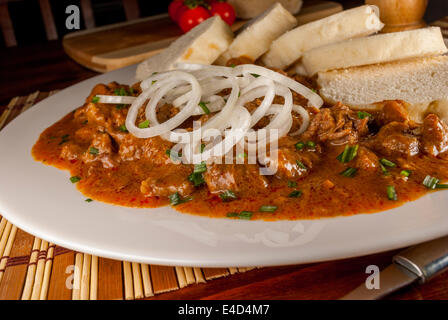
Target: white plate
x=41, y=200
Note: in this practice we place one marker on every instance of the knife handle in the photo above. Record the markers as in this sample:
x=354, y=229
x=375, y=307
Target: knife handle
x=426, y=260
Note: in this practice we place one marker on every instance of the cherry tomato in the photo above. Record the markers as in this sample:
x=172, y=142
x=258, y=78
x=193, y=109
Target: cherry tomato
x=173, y=7
x=192, y=18
x=224, y=10
x=180, y=11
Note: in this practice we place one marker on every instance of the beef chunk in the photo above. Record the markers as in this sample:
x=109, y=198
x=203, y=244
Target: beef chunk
x=101, y=149
x=395, y=139
x=435, y=135
x=393, y=111
x=366, y=160
x=166, y=112
x=118, y=116
x=130, y=148
x=155, y=149
x=86, y=133
x=168, y=182
x=291, y=163
x=337, y=125
x=71, y=151
x=234, y=177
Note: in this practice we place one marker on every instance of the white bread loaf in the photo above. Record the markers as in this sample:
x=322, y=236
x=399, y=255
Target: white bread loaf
x=255, y=37
x=288, y=48
x=202, y=44
x=416, y=81
x=375, y=49
x=247, y=9
x=297, y=68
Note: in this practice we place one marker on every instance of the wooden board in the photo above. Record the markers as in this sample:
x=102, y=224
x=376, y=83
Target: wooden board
x=115, y=46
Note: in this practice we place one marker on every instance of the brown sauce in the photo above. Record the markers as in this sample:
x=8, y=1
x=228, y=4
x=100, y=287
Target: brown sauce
x=115, y=174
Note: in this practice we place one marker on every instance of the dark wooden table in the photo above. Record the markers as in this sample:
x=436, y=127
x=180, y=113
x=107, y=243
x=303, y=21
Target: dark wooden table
x=46, y=67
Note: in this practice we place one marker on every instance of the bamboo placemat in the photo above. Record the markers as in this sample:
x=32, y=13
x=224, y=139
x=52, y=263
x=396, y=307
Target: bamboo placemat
x=32, y=268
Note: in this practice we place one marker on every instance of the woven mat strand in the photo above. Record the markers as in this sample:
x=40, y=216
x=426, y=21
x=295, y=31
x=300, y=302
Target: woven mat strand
x=32, y=268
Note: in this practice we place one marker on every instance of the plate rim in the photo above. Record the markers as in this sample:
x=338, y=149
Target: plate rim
x=15, y=219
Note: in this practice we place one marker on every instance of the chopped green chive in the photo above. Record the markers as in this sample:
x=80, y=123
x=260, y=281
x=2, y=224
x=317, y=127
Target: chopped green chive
x=88, y=200
x=430, y=182
x=242, y=155
x=232, y=214
x=233, y=65
x=388, y=163
x=202, y=147
x=314, y=90
x=120, y=92
x=95, y=99
x=384, y=170
x=292, y=184
x=311, y=144
x=119, y=106
x=348, y=154
x=228, y=195
x=175, y=157
x=406, y=173
x=363, y=114
x=301, y=165
x=176, y=199
x=94, y=151
x=75, y=179
x=349, y=172
x=123, y=128
x=196, y=178
x=155, y=72
x=433, y=183
x=131, y=90
x=391, y=193
x=255, y=75
x=245, y=215
x=300, y=145
x=203, y=106
x=295, y=194
x=85, y=122
x=144, y=124
x=64, y=139
x=153, y=81
x=200, y=168
x=268, y=208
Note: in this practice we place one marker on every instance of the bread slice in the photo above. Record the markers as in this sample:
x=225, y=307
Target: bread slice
x=202, y=44
x=375, y=49
x=288, y=48
x=255, y=37
x=415, y=81
x=247, y=9
x=297, y=68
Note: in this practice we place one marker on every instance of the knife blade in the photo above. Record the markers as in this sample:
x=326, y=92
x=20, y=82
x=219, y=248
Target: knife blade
x=419, y=263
